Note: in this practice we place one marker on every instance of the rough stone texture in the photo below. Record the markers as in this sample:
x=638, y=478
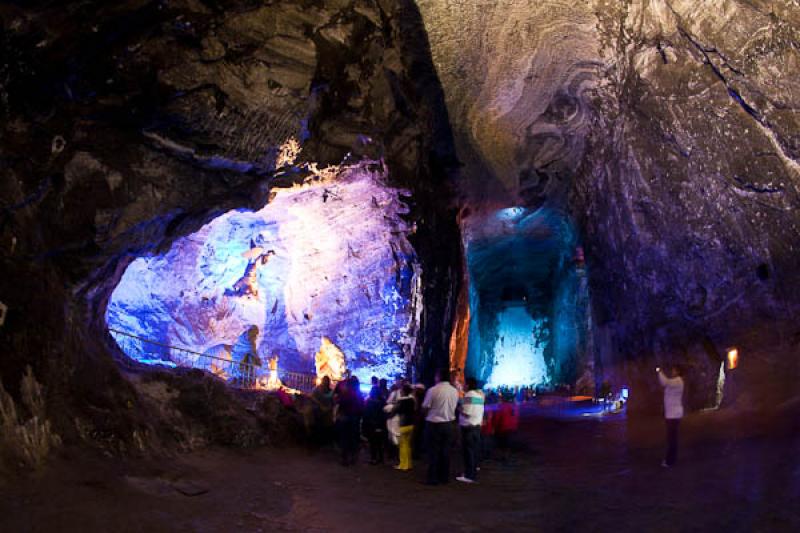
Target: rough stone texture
x=514, y=75
x=673, y=127
x=126, y=125
x=667, y=129
x=342, y=270
x=523, y=259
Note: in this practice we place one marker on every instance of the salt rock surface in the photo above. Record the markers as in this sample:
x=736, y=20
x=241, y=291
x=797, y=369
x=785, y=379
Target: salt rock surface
x=342, y=269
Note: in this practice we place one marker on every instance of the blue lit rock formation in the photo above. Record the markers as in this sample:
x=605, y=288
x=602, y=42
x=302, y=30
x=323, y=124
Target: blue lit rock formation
x=342, y=269
x=518, y=349
x=525, y=316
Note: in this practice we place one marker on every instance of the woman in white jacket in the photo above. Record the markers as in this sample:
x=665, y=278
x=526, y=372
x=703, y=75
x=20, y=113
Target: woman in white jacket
x=673, y=411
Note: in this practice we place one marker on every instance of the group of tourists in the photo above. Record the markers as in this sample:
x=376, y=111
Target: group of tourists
x=402, y=422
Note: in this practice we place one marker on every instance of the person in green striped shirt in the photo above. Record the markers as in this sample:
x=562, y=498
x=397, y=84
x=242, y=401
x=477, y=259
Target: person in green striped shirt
x=470, y=421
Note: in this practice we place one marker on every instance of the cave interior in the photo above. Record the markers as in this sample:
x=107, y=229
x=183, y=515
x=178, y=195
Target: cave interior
x=341, y=268
x=527, y=306
x=561, y=197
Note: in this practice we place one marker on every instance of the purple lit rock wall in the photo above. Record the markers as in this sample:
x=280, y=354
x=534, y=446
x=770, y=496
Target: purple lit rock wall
x=125, y=127
x=342, y=268
x=690, y=196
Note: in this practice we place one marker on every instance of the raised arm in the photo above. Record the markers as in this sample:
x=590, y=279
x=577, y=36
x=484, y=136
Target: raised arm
x=668, y=382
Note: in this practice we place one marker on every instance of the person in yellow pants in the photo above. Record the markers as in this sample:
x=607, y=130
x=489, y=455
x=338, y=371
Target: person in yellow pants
x=405, y=408
x=406, y=432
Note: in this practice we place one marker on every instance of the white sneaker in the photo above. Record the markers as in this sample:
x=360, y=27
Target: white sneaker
x=464, y=479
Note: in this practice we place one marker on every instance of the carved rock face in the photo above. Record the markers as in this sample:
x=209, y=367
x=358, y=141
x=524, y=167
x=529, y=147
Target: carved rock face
x=515, y=77
x=125, y=127
x=667, y=130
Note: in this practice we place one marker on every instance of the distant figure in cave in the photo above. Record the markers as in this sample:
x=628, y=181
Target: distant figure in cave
x=392, y=420
x=247, y=285
x=418, y=440
x=322, y=397
x=673, y=411
x=245, y=354
x=605, y=394
x=506, y=422
x=405, y=410
x=383, y=385
x=349, y=407
x=487, y=430
x=388, y=445
x=374, y=425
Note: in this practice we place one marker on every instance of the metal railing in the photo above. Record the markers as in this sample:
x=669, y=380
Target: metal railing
x=299, y=380
x=237, y=373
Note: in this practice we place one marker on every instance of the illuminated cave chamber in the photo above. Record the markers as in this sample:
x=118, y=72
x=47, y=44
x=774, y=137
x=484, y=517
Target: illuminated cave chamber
x=327, y=261
x=527, y=300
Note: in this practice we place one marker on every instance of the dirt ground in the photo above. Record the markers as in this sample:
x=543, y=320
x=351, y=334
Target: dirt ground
x=566, y=474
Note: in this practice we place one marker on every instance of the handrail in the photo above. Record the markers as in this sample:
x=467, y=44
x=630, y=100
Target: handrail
x=249, y=378
x=174, y=347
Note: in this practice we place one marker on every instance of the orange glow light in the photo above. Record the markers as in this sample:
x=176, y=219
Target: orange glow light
x=733, y=358
x=330, y=361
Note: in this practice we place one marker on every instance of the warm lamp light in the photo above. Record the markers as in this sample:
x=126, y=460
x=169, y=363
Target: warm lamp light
x=273, y=382
x=733, y=358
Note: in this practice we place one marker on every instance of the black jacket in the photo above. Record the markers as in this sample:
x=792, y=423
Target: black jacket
x=405, y=409
x=374, y=417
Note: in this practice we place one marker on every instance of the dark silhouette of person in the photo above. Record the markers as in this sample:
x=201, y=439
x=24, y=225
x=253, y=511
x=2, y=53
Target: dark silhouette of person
x=349, y=407
x=322, y=396
x=374, y=425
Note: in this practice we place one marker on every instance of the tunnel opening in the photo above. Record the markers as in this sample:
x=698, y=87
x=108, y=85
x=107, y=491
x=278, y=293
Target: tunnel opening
x=321, y=281
x=525, y=318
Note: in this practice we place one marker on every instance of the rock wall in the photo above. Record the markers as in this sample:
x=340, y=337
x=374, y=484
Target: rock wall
x=340, y=268
x=669, y=130
x=127, y=125
x=515, y=74
x=690, y=193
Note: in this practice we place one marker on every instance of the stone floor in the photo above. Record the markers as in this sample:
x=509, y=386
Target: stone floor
x=567, y=473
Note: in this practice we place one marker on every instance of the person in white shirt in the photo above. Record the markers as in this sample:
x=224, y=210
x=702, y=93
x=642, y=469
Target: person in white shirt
x=440, y=404
x=470, y=422
x=673, y=411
